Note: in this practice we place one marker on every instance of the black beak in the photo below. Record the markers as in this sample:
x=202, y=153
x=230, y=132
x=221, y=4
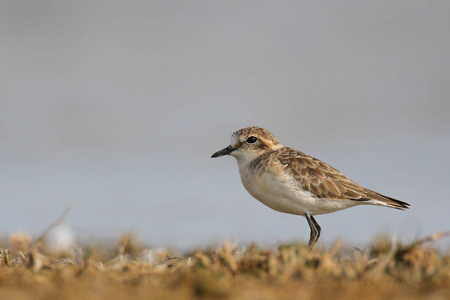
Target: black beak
x=223, y=152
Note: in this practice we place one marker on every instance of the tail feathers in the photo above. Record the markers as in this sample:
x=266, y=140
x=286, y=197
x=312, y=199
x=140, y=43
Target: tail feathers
x=378, y=199
x=394, y=203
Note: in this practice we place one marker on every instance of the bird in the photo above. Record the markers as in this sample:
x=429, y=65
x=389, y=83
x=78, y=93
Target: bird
x=290, y=181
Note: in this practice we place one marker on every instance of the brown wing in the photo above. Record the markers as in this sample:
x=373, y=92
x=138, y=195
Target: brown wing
x=326, y=182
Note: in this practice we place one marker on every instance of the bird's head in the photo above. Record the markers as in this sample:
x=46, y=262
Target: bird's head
x=249, y=143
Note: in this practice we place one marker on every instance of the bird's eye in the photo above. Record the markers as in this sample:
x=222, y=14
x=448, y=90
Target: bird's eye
x=252, y=140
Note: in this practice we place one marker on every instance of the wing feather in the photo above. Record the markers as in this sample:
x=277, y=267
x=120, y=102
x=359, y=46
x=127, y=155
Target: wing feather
x=325, y=181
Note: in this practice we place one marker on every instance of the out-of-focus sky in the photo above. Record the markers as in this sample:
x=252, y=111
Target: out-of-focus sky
x=119, y=106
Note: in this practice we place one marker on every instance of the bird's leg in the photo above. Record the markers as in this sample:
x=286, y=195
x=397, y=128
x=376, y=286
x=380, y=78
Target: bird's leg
x=315, y=231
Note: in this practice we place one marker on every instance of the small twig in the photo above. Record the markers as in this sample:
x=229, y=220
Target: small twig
x=58, y=221
x=172, y=258
x=358, y=250
x=430, y=238
x=378, y=270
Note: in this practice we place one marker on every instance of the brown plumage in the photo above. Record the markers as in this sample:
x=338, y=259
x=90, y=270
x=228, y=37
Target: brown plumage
x=290, y=181
x=325, y=181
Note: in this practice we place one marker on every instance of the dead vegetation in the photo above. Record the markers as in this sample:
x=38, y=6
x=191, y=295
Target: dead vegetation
x=385, y=269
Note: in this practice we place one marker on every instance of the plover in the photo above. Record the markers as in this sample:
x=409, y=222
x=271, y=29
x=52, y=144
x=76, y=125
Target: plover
x=290, y=181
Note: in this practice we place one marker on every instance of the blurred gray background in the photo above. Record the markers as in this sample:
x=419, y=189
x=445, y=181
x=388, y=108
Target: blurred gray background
x=119, y=106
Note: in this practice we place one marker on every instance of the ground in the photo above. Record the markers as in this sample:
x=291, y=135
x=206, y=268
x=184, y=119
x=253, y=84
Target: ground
x=382, y=271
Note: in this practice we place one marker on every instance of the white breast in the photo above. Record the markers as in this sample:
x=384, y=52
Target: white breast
x=282, y=193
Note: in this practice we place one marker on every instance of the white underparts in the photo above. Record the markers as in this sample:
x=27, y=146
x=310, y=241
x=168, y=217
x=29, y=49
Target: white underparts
x=282, y=193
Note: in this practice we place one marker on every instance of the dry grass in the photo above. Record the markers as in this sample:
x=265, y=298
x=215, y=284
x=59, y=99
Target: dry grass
x=384, y=270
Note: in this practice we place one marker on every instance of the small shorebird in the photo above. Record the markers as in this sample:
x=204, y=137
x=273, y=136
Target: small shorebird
x=293, y=182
